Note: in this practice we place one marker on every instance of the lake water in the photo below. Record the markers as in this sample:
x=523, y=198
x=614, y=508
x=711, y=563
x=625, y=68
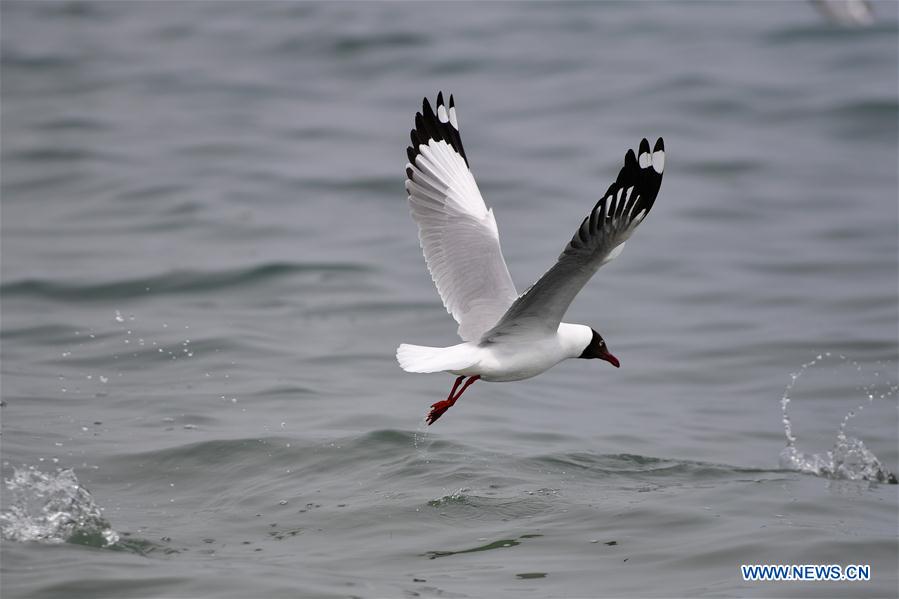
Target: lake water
x=207, y=264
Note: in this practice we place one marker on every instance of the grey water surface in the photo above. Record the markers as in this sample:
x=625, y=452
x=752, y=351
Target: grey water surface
x=207, y=264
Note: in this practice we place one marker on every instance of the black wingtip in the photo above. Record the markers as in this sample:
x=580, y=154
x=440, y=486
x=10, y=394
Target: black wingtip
x=644, y=146
x=630, y=158
x=428, y=113
x=641, y=174
x=660, y=145
x=428, y=126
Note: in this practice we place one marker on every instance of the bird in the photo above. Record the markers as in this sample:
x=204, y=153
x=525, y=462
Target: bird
x=848, y=13
x=507, y=336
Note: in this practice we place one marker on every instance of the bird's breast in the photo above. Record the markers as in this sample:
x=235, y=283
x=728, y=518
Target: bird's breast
x=517, y=361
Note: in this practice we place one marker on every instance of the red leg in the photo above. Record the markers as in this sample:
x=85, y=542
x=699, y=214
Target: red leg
x=468, y=384
x=440, y=407
x=455, y=386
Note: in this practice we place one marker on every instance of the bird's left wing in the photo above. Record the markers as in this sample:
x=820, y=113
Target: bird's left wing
x=598, y=240
x=457, y=231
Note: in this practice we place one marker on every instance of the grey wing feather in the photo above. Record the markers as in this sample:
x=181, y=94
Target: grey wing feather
x=598, y=240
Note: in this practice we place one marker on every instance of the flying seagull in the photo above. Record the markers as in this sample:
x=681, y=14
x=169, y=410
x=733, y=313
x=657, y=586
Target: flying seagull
x=507, y=336
x=848, y=13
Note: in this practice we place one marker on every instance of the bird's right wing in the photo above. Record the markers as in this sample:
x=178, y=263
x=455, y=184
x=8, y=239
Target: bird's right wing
x=458, y=233
x=598, y=240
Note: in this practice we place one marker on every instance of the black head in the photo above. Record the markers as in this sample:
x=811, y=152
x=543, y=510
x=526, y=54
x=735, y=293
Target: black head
x=597, y=349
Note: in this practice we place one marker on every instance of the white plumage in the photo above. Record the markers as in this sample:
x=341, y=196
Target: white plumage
x=459, y=237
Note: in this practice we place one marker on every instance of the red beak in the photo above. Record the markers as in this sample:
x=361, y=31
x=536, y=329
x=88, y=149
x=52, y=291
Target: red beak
x=610, y=359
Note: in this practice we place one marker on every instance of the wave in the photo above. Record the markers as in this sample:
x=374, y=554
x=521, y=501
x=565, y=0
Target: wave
x=172, y=282
x=826, y=33
x=399, y=454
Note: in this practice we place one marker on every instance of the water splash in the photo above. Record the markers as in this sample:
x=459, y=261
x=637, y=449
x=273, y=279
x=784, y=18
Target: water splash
x=52, y=508
x=458, y=496
x=849, y=459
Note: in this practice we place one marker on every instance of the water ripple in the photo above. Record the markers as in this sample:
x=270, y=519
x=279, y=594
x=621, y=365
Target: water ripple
x=173, y=282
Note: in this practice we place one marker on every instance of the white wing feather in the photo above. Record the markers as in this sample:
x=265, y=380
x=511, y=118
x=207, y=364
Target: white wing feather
x=458, y=234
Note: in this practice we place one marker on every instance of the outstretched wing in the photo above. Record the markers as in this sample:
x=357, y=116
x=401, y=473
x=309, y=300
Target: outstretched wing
x=458, y=233
x=598, y=240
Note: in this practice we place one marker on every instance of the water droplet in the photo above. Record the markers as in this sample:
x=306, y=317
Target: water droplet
x=119, y=317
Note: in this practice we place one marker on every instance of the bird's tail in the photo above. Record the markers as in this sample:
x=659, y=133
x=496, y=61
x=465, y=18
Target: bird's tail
x=418, y=358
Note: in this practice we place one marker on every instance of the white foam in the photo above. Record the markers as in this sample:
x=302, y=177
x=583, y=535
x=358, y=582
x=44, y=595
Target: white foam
x=52, y=508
